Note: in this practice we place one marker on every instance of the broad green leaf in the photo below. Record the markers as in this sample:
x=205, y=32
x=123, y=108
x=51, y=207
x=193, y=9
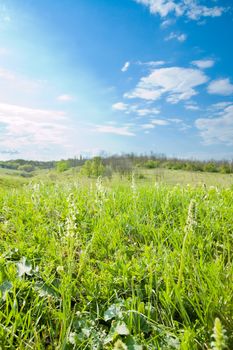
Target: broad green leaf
x=112, y=312
x=132, y=344
x=45, y=290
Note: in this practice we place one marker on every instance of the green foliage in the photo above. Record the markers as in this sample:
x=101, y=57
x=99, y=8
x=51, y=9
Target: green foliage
x=93, y=167
x=151, y=164
x=211, y=167
x=62, y=166
x=27, y=167
x=123, y=164
x=88, y=264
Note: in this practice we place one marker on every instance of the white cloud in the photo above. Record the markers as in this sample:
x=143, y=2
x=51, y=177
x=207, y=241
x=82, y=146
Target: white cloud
x=18, y=81
x=160, y=122
x=23, y=126
x=162, y=7
x=146, y=111
x=166, y=23
x=219, y=106
x=116, y=130
x=178, y=83
x=120, y=106
x=202, y=64
x=125, y=67
x=180, y=37
x=147, y=126
x=219, y=129
x=195, y=11
x=65, y=98
x=187, y=8
x=135, y=109
x=175, y=120
x=152, y=63
x=220, y=87
x=191, y=107
x=181, y=125
x=7, y=75
x=172, y=122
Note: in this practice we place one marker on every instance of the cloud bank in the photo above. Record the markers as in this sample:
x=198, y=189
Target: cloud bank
x=188, y=8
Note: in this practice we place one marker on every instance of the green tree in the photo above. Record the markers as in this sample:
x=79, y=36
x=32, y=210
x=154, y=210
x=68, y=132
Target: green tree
x=87, y=168
x=62, y=165
x=94, y=167
x=27, y=167
x=97, y=166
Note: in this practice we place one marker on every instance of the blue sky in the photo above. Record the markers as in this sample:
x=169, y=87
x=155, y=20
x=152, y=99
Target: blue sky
x=79, y=77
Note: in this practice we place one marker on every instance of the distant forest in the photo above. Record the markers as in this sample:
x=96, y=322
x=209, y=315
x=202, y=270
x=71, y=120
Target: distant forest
x=123, y=163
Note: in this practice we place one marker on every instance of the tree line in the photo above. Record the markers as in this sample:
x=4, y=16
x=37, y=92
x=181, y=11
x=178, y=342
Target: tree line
x=121, y=163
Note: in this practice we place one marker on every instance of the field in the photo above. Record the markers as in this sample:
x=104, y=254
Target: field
x=124, y=263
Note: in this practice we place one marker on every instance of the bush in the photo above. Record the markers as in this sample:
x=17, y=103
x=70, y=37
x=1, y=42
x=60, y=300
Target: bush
x=27, y=167
x=24, y=174
x=62, y=165
x=152, y=164
x=94, y=167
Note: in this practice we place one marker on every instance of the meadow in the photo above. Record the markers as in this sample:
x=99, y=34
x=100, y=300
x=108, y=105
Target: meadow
x=139, y=262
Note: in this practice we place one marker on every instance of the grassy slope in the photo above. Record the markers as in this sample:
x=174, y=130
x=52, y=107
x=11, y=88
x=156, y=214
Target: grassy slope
x=193, y=178
x=160, y=256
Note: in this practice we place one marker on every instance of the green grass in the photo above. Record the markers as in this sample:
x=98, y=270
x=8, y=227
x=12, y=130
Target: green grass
x=193, y=178
x=119, y=265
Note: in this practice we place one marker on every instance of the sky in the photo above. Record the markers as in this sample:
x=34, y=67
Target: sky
x=87, y=76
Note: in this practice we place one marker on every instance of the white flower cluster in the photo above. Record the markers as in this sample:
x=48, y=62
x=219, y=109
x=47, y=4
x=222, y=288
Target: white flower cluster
x=71, y=226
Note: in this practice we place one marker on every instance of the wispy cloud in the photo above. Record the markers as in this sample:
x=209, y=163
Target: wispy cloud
x=7, y=75
x=155, y=122
x=23, y=126
x=135, y=109
x=176, y=36
x=202, y=64
x=120, y=106
x=65, y=98
x=9, y=151
x=188, y=8
x=147, y=111
x=192, y=107
x=178, y=123
x=219, y=106
x=151, y=63
x=116, y=130
x=220, y=87
x=167, y=23
x=219, y=129
x=18, y=80
x=176, y=82
x=3, y=51
x=160, y=122
x=125, y=67
x=148, y=126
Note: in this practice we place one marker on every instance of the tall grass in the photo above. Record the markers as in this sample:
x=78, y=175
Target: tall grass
x=116, y=265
